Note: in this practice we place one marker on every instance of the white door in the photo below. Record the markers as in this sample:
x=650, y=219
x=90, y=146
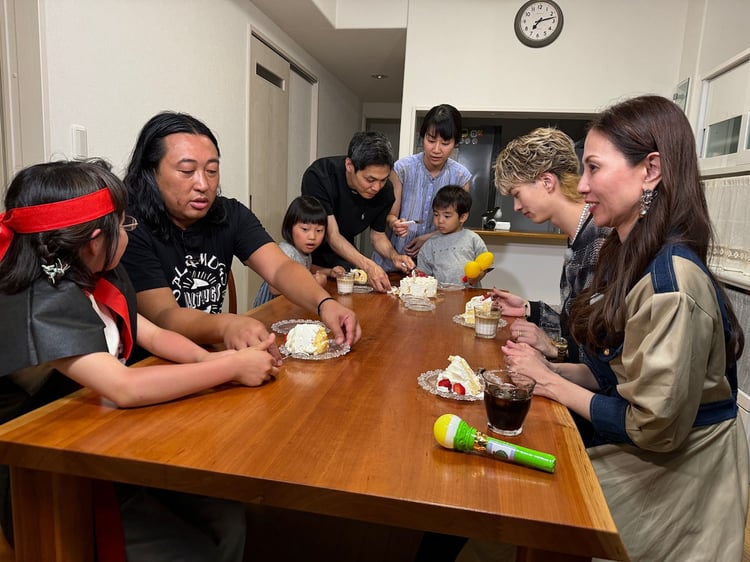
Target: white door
x=302, y=119
x=269, y=118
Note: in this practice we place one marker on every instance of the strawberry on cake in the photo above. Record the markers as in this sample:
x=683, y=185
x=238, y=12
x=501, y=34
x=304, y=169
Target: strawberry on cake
x=459, y=378
x=310, y=339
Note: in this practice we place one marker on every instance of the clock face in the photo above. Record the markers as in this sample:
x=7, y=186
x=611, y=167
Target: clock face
x=538, y=23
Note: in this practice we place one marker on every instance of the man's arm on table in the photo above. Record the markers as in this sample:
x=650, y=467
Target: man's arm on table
x=298, y=285
x=343, y=248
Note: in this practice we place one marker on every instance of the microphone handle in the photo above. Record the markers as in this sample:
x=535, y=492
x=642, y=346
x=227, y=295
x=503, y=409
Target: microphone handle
x=468, y=438
x=515, y=453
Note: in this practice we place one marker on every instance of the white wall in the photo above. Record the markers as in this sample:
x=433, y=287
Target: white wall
x=608, y=49
x=375, y=110
x=724, y=32
x=109, y=65
x=366, y=14
x=528, y=269
x=339, y=120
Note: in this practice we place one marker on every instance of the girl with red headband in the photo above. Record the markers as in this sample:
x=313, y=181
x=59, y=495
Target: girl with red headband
x=69, y=316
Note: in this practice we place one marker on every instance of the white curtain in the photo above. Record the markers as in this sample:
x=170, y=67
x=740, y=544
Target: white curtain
x=729, y=206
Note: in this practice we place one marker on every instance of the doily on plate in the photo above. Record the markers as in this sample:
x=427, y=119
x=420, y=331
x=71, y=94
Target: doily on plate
x=419, y=304
x=283, y=326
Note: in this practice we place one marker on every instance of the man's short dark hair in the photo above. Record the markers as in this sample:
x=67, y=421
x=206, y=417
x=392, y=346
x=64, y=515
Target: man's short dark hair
x=370, y=148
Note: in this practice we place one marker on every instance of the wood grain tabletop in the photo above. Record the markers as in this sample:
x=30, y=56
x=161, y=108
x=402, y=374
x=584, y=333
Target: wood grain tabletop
x=349, y=436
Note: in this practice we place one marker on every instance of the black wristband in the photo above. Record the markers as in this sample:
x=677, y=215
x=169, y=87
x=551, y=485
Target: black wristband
x=324, y=300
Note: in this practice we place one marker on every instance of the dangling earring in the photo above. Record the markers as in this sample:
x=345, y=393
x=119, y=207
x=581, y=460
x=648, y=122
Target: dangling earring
x=647, y=197
x=55, y=271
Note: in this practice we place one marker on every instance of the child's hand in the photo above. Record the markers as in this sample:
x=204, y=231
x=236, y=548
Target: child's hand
x=255, y=365
x=321, y=278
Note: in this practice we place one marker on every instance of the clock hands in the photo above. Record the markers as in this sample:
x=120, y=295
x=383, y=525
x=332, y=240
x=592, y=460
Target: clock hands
x=540, y=20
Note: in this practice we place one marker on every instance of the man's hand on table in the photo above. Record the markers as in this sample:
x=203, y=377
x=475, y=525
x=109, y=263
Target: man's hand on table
x=377, y=277
x=342, y=321
x=245, y=331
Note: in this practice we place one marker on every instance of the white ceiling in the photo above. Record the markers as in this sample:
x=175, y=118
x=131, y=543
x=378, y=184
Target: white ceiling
x=351, y=55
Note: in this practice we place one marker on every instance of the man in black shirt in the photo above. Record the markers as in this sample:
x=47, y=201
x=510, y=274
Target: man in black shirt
x=180, y=254
x=357, y=194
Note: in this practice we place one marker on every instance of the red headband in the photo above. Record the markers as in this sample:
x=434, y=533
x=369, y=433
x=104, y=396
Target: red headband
x=51, y=216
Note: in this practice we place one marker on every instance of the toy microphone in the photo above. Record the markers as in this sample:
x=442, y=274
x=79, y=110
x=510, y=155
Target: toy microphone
x=454, y=433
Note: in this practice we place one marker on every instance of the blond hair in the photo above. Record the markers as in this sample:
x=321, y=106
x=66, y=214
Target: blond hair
x=545, y=149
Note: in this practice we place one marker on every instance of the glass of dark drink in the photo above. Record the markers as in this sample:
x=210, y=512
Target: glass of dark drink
x=507, y=398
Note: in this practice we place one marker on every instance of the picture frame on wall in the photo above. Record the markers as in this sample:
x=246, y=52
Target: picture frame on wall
x=681, y=94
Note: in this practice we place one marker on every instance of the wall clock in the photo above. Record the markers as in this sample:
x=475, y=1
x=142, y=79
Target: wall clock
x=538, y=23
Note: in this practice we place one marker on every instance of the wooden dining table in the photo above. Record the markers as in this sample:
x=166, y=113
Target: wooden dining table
x=350, y=436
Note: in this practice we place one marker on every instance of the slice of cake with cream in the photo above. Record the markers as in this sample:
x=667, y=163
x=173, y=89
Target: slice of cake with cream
x=459, y=378
x=310, y=339
x=480, y=303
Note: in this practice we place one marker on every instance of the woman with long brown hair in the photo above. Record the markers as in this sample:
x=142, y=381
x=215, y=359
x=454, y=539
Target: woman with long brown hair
x=657, y=387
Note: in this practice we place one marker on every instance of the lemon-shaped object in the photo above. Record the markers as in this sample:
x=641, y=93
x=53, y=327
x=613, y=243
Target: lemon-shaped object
x=472, y=269
x=360, y=276
x=485, y=260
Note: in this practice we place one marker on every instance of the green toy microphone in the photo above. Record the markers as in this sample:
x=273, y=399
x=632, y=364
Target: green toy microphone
x=454, y=433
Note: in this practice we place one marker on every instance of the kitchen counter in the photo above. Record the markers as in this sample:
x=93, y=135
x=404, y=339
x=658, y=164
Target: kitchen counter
x=501, y=236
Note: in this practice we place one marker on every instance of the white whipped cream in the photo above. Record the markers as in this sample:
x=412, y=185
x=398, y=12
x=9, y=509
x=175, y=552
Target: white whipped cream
x=307, y=338
x=459, y=371
x=418, y=286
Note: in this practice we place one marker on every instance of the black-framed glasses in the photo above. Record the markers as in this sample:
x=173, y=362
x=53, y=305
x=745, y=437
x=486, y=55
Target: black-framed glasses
x=129, y=224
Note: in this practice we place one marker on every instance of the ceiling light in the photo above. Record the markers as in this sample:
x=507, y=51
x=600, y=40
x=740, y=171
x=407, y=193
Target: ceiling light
x=379, y=76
